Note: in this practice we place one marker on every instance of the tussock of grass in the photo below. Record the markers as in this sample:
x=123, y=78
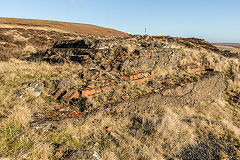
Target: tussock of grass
x=138, y=132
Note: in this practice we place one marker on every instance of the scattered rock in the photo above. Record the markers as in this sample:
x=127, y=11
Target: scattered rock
x=179, y=91
x=80, y=154
x=44, y=125
x=64, y=83
x=132, y=60
x=122, y=54
x=109, y=129
x=19, y=95
x=36, y=88
x=191, y=94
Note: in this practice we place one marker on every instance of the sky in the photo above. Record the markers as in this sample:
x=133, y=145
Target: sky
x=212, y=20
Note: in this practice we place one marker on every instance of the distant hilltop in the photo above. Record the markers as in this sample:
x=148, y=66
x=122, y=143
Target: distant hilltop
x=235, y=45
x=61, y=26
x=20, y=36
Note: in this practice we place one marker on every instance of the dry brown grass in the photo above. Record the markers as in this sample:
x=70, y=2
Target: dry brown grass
x=19, y=37
x=138, y=132
x=61, y=26
x=179, y=128
x=18, y=42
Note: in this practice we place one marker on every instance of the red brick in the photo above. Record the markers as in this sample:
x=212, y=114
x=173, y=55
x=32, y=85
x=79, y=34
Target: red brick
x=84, y=79
x=74, y=95
x=109, y=129
x=88, y=92
x=165, y=61
x=139, y=76
x=59, y=92
x=70, y=95
x=148, y=56
x=135, y=76
x=67, y=95
x=144, y=79
x=91, y=86
x=124, y=78
x=150, y=78
x=125, y=97
x=141, y=80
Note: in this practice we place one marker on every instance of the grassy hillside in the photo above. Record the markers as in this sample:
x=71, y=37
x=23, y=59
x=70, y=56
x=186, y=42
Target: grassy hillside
x=23, y=36
x=86, y=29
x=229, y=48
x=135, y=97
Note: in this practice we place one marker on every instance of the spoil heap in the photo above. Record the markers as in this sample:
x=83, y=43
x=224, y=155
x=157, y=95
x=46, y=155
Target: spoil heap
x=136, y=97
x=126, y=69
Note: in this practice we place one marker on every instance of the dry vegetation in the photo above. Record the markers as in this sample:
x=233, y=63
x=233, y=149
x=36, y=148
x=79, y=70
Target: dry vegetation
x=146, y=132
x=19, y=37
x=17, y=42
x=143, y=129
x=65, y=27
x=229, y=48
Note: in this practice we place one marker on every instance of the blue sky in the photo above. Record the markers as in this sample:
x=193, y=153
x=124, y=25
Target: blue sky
x=213, y=20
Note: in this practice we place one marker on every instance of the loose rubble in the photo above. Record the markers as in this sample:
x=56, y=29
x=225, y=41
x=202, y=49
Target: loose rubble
x=36, y=88
x=108, y=63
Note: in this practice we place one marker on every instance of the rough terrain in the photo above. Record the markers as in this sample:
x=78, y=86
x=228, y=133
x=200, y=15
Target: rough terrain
x=131, y=97
x=19, y=37
x=235, y=45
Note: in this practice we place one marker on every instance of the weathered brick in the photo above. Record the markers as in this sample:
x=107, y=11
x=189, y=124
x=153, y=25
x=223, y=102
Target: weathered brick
x=74, y=95
x=125, y=97
x=135, y=76
x=148, y=55
x=144, y=79
x=139, y=76
x=165, y=61
x=88, y=92
x=109, y=129
x=70, y=95
x=59, y=93
x=84, y=79
x=67, y=95
x=131, y=77
x=91, y=86
x=124, y=78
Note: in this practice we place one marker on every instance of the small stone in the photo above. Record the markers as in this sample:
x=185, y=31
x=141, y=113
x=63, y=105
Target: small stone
x=64, y=83
x=36, y=88
x=116, y=136
x=36, y=94
x=31, y=89
x=96, y=155
x=109, y=129
x=61, y=110
x=19, y=95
